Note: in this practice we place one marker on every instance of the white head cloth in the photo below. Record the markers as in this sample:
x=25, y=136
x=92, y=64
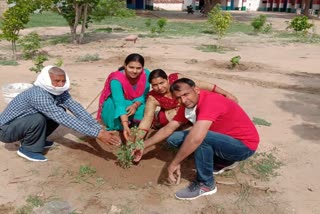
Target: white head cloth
x=44, y=81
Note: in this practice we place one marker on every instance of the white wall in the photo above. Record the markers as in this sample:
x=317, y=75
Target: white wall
x=171, y=6
x=252, y=5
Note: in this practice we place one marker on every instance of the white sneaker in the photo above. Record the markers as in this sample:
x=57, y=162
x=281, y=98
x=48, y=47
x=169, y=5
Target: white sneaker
x=221, y=170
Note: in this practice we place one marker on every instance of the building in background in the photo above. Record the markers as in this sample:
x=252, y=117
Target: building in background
x=289, y=6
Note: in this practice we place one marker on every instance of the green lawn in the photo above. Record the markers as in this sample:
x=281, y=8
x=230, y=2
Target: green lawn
x=137, y=24
x=46, y=19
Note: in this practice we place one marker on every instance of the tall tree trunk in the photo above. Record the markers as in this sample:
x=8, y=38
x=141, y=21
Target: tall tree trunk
x=84, y=21
x=306, y=4
x=78, y=9
x=209, y=4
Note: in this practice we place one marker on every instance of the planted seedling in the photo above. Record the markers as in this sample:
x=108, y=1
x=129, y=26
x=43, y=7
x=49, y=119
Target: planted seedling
x=235, y=61
x=125, y=152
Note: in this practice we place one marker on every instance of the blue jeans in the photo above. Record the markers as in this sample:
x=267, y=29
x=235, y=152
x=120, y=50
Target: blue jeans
x=214, y=144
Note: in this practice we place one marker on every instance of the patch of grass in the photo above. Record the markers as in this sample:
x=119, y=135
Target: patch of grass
x=100, y=181
x=35, y=201
x=46, y=19
x=260, y=121
x=136, y=24
x=63, y=39
x=235, y=27
x=240, y=27
x=299, y=37
x=85, y=172
x=228, y=174
x=211, y=48
x=106, y=30
x=262, y=166
x=32, y=202
x=130, y=23
x=127, y=210
x=172, y=28
x=89, y=58
x=9, y=63
x=118, y=29
x=244, y=193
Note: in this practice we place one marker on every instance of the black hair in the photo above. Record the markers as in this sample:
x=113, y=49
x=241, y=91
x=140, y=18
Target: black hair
x=176, y=84
x=134, y=57
x=156, y=74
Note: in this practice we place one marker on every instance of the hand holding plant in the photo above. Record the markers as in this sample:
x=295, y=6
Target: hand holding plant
x=132, y=150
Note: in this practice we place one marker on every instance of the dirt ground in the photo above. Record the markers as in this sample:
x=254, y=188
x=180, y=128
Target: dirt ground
x=277, y=81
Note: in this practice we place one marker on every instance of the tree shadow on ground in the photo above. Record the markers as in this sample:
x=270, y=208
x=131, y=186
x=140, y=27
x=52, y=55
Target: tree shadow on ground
x=306, y=106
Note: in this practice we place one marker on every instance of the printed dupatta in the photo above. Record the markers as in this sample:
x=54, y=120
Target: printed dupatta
x=129, y=92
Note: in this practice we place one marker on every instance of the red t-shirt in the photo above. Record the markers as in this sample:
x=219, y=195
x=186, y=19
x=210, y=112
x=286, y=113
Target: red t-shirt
x=227, y=116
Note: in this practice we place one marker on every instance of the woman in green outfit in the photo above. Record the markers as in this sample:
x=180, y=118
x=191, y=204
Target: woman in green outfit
x=122, y=102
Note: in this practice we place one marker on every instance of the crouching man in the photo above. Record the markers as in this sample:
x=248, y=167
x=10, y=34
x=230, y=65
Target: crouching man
x=221, y=129
x=35, y=113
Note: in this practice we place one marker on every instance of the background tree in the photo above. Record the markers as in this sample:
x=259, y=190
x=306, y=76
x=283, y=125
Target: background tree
x=209, y=4
x=17, y=16
x=306, y=4
x=219, y=21
x=82, y=12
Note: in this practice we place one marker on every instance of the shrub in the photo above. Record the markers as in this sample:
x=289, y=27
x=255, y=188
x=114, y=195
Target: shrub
x=148, y=23
x=267, y=28
x=38, y=61
x=30, y=45
x=59, y=62
x=300, y=24
x=219, y=21
x=156, y=27
x=258, y=23
x=8, y=62
x=162, y=22
x=235, y=61
x=89, y=58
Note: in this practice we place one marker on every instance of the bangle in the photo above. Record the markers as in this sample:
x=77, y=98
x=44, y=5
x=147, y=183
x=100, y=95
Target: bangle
x=214, y=88
x=146, y=130
x=136, y=104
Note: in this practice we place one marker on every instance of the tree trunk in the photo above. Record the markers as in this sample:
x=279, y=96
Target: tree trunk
x=209, y=4
x=14, y=49
x=306, y=7
x=78, y=9
x=84, y=20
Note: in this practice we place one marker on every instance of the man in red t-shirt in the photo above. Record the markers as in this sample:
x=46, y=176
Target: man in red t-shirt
x=221, y=130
